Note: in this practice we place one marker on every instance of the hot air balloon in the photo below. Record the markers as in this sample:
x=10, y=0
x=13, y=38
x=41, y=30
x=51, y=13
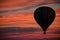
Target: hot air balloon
x=44, y=16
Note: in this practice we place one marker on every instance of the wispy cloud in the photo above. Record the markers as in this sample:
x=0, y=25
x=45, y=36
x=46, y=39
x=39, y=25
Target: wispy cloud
x=30, y=5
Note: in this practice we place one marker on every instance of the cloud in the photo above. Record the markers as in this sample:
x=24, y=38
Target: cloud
x=57, y=32
x=30, y=5
x=10, y=31
x=18, y=29
x=29, y=39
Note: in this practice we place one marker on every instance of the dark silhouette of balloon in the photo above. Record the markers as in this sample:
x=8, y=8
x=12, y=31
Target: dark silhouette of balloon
x=44, y=16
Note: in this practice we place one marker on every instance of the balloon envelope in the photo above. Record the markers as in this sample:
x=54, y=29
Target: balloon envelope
x=44, y=16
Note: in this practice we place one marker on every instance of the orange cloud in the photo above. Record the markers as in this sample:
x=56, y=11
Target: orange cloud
x=25, y=20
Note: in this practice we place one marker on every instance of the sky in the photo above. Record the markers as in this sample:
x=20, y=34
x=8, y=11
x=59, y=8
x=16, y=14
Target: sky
x=20, y=13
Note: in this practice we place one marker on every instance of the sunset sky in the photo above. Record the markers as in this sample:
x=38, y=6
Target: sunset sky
x=20, y=13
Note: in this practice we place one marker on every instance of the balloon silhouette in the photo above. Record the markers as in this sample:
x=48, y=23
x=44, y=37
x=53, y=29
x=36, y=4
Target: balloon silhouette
x=44, y=16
